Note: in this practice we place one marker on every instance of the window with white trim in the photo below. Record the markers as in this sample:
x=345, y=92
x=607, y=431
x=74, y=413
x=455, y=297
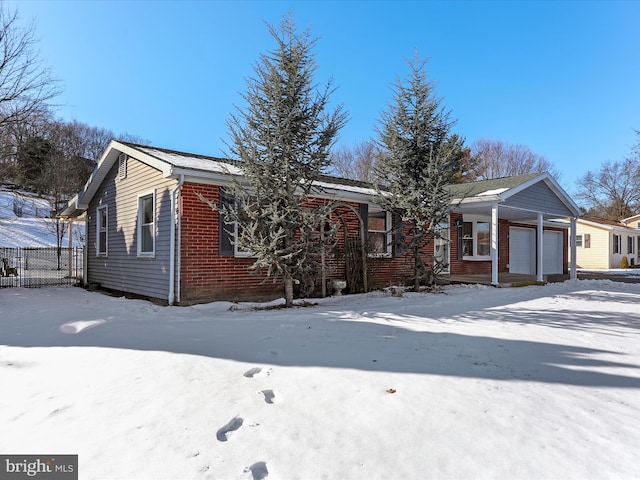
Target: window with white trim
x=579, y=241
x=630, y=243
x=102, y=225
x=228, y=246
x=476, y=239
x=379, y=236
x=146, y=225
x=617, y=243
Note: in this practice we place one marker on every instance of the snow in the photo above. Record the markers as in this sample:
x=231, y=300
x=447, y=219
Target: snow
x=496, y=191
x=190, y=161
x=524, y=383
x=30, y=228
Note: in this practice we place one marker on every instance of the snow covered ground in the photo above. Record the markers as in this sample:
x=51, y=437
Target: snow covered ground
x=24, y=222
x=474, y=382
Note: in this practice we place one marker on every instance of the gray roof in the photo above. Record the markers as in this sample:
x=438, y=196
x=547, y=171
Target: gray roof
x=173, y=163
x=466, y=190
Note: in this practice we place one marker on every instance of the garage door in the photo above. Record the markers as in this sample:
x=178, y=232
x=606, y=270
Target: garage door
x=552, y=253
x=522, y=252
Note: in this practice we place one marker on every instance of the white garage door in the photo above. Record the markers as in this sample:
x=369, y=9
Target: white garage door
x=522, y=252
x=552, y=253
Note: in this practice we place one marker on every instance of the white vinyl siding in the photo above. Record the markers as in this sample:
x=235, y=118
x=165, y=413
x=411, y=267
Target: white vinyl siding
x=123, y=269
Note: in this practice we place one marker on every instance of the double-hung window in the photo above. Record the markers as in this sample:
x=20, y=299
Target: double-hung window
x=476, y=239
x=379, y=233
x=147, y=225
x=102, y=225
x=229, y=232
x=579, y=241
x=617, y=243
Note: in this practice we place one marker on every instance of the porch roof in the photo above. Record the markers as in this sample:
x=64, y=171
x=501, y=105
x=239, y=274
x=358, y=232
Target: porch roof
x=520, y=197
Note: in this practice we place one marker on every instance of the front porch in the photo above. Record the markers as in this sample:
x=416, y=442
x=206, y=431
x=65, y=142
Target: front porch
x=505, y=280
x=512, y=231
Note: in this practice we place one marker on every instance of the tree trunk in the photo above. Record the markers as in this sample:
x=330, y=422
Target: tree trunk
x=288, y=292
x=416, y=269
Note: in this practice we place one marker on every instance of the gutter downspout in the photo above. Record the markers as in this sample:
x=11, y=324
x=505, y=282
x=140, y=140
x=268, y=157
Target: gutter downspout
x=172, y=242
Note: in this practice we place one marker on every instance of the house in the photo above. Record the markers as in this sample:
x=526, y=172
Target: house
x=150, y=233
x=601, y=244
x=633, y=222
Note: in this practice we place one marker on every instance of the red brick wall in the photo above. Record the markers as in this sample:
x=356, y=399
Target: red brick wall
x=204, y=274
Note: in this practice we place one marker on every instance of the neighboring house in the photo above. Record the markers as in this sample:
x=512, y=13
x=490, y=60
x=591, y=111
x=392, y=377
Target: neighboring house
x=149, y=233
x=633, y=222
x=601, y=244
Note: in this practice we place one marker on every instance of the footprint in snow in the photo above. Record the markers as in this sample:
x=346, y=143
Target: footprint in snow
x=234, y=424
x=268, y=396
x=258, y=470
x=252, y=371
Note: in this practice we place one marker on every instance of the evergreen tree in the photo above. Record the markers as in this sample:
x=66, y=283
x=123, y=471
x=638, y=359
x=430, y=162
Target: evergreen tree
x=421, y=159
x=282, y=137
x=32, y=163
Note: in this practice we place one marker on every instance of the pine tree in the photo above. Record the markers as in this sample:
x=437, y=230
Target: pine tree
x=282, y=137
x=421, y=158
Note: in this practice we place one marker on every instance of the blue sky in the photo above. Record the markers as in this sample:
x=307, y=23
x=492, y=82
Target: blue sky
x=562, y=78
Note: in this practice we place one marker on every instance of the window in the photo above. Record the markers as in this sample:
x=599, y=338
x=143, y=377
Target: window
x=617, y=243
x=229, y=231
x=123, y=160
x=476, y=239
x=378, y=233
x=101, y=231
x=146, y=225
x=579, y=241
x=629, y=244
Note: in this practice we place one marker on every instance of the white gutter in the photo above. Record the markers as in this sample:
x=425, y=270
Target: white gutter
x=172, y=242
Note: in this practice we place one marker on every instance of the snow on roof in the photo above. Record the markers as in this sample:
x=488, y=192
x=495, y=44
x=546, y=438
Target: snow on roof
x=347, y=188
x=495, y=191
x=195, y=162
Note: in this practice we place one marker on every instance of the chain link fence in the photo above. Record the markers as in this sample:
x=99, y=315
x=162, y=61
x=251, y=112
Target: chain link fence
x=40, y=267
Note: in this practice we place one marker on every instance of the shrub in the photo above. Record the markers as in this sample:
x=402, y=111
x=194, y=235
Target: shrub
x=624, y=263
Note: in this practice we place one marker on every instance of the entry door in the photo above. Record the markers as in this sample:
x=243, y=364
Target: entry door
x=441, y=247
x=522, y=250
x=552, y=252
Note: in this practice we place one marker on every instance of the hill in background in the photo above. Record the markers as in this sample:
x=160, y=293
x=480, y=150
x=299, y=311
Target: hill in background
x=25, y=221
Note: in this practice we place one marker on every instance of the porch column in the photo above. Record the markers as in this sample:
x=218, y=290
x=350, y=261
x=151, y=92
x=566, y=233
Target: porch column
x=572, y=245
x=539, y=243
x=494, y=245
x=70, y=230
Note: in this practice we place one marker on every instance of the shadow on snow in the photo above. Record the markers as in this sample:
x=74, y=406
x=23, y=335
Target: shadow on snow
x=335, y=337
